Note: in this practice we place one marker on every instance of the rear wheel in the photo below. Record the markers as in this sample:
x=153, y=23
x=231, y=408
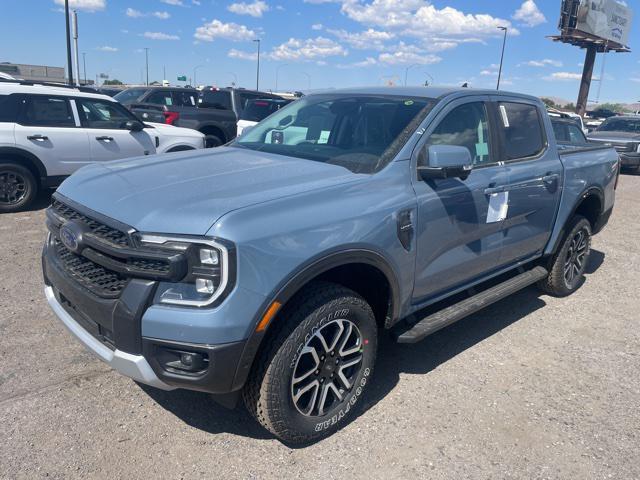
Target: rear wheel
x=18, y=187
x=309, y=379
x=211, y=141
x=570, y=262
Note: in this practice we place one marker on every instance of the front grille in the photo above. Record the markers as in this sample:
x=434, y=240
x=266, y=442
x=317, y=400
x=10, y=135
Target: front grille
x=99, y=229
x=92, y=276
x=152, y=266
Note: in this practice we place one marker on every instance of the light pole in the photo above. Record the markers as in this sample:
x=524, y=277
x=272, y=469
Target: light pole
x=504, y=42
x=195, y=69
x=84, y=66
x=278, y=72
x=75, y=46
x=406, y=72
x=69, y=65
x=308, y=80
x=258, y=68
x=146, y=58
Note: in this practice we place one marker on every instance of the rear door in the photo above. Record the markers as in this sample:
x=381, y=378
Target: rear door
x=104, y=122
x=534, y=177
x=48, y=126
x=458, y=238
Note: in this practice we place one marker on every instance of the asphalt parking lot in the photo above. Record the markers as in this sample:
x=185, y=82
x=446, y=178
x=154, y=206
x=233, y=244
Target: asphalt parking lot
x=532, y=387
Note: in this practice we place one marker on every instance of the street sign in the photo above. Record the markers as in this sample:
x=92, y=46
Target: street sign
x=182, y=78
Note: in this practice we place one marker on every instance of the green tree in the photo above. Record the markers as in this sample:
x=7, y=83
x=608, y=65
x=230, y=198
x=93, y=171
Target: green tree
x=549, y=103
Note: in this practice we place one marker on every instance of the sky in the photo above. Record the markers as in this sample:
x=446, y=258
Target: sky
x=316, y=44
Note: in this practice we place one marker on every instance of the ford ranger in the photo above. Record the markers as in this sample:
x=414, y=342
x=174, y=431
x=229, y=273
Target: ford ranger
x=268, y=269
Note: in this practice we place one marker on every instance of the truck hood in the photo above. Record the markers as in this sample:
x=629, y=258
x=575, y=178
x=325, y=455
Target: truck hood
x=164, y=130
x=186, y=193
x=613, y=136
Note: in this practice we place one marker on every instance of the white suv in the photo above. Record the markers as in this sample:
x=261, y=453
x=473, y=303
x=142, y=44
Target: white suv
x=47, y=132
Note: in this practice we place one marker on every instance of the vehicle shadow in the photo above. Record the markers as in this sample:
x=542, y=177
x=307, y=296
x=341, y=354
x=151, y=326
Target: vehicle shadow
x=200, y=411
x=42, y=201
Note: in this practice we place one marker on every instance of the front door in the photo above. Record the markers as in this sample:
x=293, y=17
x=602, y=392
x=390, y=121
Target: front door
x=534, y=174
x=458, y=225
x=104, y=122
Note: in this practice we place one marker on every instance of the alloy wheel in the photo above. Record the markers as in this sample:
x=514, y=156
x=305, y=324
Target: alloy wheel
x=13, y=187
x=575, y=262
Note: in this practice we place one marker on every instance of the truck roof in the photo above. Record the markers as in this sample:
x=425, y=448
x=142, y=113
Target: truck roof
x=18, y=86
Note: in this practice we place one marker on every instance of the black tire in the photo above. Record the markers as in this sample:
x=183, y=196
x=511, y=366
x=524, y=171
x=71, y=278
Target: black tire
x=18, y=187
x=567, y=266
x=321, y=310
x=212, y=141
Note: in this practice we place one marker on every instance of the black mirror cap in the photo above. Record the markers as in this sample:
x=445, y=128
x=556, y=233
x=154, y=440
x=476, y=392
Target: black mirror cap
x=134, y=126
x=428, y=173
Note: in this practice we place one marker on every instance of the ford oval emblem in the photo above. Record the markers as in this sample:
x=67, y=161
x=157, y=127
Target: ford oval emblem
x=69, y=238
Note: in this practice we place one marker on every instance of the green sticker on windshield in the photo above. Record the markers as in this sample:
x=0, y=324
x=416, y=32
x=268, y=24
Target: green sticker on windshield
x=408, y=102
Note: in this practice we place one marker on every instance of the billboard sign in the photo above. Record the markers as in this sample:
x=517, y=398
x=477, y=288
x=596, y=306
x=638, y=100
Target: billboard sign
x=607, y=19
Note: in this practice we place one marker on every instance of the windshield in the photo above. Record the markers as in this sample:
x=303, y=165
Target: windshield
x=130, y=95
x=620, y=125
x=257, y=110
x=359, y=132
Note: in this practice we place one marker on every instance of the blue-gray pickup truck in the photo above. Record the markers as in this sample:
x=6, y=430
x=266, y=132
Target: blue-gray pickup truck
x=268, y=269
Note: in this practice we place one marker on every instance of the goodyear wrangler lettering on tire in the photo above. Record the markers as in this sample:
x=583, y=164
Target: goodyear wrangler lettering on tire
x=343, y=412
x=339, y=314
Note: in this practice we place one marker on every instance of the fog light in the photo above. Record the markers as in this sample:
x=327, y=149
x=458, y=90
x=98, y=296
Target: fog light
x=181, y=361
x=205, y=286
x=209, y=256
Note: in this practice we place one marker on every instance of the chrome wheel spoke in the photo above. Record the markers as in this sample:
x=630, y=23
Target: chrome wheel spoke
x=328, y=388
x=315, y=385
x=312, y=352
x=341, y=375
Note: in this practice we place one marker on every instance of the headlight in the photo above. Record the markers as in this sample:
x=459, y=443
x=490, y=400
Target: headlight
x=207, y=275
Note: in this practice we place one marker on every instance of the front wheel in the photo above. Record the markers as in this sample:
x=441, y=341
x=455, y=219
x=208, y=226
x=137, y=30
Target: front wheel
x=570, y=262
x=212, y=141
x=314, y=370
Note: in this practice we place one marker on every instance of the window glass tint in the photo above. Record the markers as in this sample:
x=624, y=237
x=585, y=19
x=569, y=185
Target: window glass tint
x=257, y=110
x=219, y=99
x=576, y=136
x=361, y=133
x=8, y=108
x=522, y=130
x=184, y=99
x=46, y=111
x=244, y=98
x=101, y=114
x=160, y=97
x=130, y=95
x=466, y=126
x=620, y=125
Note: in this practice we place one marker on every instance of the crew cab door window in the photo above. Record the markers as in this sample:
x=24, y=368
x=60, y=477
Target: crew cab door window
x=184, y=99
x=160, y=97
x=522, y=129
x=466, y=126
x=44, y=111
x=101, y=114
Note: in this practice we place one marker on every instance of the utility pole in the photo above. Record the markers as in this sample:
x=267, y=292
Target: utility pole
x=258, y=69
x=146, y=57
x=504, y=43
x=69, y=65
x=75, y=46
x=585, y=83
x=84, y=66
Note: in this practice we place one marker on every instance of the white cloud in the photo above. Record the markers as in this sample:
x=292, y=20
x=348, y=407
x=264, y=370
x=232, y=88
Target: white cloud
x=160, y=36
x=133, y=13
x=542, y=63
x=408, y=56
x=529, y=14
x=161, y=15
x=368, y=40
x=229, y=31
x=367, y=62
x=196, y=2
x=177, y=3
x=87, y=5
x=317, y=26
x=255, y=9
x=107, y=48
x=304, y=50
x=563, y=76
x=239, y=54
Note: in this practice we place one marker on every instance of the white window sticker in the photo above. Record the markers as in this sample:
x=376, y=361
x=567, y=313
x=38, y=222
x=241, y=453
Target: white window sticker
x=505, y=117
x=324, y=136
x=498, y=207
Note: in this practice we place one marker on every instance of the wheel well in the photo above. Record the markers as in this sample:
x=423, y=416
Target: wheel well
x=180, y=148
x=210, y=130
x=24, y=160
x=591, y=209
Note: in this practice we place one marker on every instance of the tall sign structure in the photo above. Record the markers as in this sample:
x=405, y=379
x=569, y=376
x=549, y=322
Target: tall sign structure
x=599, y=26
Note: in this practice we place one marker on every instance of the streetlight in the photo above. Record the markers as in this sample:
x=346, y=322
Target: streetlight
x=69, y=64
x=504, y=42
x=406, y=72
x=278, y=72
x=146, y=56
x=308, y=80
x=195, y=83
x=84, y=66
x=257, y=40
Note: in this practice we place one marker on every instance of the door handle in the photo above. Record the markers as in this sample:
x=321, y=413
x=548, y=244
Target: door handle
x=104, y=139
x=491, y=189
x=550, y=178
x=38, y=138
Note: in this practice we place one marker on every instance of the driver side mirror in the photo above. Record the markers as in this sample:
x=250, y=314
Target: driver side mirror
x=446, y=161
x=133, y=126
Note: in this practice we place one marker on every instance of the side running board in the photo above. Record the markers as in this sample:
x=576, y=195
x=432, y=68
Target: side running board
x=452, y=314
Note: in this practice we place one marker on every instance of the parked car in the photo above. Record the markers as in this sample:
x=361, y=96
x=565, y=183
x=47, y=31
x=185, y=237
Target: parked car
x=48, y=132
x=623, y=133
x=269, y=268
x=111, y=91
x=257, y=110
x=577, y=119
